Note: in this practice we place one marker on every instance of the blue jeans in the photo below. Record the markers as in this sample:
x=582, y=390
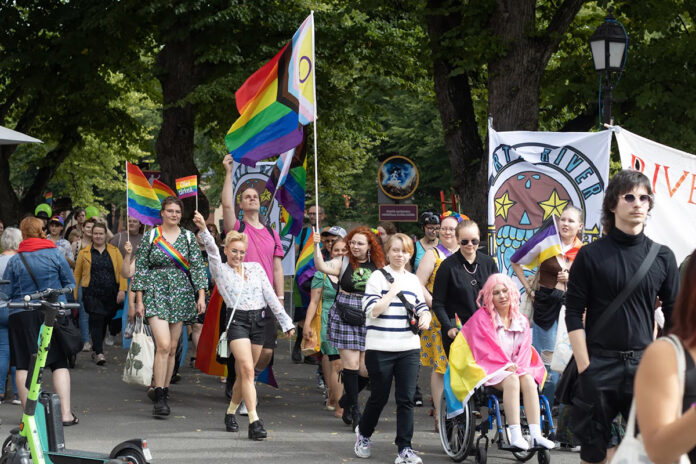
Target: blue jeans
x=545, y=340
x=5, y=352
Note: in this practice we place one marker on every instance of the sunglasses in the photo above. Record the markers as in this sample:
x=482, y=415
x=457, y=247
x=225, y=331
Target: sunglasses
x=630, y=198
x=474, y=241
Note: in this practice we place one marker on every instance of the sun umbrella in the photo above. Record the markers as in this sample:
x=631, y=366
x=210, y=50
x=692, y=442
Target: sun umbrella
x=10, y=137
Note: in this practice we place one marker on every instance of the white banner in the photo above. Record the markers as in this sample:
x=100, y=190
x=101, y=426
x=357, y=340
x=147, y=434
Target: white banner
x=672, y=172
x=244, y=177
x=533, y=175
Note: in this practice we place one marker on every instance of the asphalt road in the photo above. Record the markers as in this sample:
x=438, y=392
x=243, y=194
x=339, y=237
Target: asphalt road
x=300, y=430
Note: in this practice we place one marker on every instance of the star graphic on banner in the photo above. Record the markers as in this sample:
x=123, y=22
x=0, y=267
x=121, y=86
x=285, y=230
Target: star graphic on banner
x=554, y=205
x=503, y=205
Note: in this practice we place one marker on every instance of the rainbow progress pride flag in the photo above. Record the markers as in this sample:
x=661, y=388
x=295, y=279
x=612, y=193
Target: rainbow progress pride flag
x=275, y=102
x=187, y=186
x=142, y=200
x=544, y=244
x=162, y=190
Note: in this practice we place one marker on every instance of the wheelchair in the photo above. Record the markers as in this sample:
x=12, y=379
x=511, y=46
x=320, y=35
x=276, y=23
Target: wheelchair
x=482, y=413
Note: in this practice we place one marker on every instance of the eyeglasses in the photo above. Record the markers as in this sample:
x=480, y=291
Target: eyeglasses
x=630, y=198
x=474, y=241
x=432, y=228
x=447, y=229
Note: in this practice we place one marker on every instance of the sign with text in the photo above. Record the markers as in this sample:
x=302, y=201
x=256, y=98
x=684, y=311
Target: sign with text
x=398, y=213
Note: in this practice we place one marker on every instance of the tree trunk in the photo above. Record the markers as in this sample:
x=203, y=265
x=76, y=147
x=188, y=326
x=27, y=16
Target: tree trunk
x=453, y=94
x=174, y=146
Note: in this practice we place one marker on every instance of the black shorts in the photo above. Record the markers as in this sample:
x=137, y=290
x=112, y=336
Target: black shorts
x=602, y=391
x=24, y=328
x=247, y=324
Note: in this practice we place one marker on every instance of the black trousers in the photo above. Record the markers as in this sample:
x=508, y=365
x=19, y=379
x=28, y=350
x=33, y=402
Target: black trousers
x=97, y=330
x=602, y=391
x=383, y=366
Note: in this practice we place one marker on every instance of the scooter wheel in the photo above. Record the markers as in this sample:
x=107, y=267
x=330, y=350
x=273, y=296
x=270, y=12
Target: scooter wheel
x=131, y=456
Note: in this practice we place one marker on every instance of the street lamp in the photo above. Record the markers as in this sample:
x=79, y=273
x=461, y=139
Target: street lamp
x=609, y=45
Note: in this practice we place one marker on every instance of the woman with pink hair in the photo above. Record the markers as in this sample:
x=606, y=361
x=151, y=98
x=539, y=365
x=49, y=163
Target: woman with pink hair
x=503, y=348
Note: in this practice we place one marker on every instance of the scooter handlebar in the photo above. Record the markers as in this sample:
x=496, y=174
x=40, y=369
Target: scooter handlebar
x=64, y=309
x=47, y=292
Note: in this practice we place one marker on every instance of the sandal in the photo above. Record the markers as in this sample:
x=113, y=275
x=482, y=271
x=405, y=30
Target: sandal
x=74, y=421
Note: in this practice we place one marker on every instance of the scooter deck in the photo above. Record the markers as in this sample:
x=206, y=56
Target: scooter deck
x=69, y=456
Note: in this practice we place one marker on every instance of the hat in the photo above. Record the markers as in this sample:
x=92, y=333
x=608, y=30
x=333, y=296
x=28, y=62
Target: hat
x=57, y=218
x=335, y=230
x=43, y=211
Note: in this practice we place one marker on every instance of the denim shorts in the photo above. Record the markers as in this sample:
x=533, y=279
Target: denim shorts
x=248, y=324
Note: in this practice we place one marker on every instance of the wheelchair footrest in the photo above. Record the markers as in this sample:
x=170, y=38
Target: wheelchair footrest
x=515, y=449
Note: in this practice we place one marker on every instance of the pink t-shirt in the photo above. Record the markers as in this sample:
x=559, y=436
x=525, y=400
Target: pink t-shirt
x=262, y=247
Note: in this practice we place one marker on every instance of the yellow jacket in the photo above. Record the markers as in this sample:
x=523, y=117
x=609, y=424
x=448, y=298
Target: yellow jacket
x=83, y=266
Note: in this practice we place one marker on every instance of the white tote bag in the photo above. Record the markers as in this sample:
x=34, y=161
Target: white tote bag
x=141, y=357
x=223, y=346
x=631, y=450
x=562, y=350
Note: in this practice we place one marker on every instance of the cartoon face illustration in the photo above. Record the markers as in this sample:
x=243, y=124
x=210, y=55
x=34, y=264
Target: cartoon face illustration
x=523, y=203
x=360, y=277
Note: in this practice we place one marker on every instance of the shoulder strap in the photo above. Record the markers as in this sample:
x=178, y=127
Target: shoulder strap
x=407, y=304
x=242, y=226
x=31, y=274
x=628, y=289
x=234, y=308
x=344, y=267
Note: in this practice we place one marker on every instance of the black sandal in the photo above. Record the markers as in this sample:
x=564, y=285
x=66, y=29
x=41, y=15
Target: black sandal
x=74, y=421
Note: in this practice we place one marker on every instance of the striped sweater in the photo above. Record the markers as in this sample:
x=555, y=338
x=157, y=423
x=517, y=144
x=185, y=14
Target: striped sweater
x=389, y=331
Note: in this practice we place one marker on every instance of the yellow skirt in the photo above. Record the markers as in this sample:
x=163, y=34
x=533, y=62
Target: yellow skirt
x=432, y=352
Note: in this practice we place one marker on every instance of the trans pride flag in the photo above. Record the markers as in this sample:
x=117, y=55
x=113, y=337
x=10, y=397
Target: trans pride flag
x=476, y=357
x=544, y=244
x=275, y=102
x=143, y=203
x=289, y=177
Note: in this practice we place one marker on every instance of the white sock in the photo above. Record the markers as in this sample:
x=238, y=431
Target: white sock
x=516, y=438
x=538, y=439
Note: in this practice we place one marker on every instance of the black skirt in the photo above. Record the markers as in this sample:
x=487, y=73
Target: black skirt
x=24, y=328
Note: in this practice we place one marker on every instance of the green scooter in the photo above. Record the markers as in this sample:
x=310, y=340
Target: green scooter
x=39, y=439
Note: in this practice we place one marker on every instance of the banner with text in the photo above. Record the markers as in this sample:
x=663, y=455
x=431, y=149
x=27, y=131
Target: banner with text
x=533, y=175
x=672, y=174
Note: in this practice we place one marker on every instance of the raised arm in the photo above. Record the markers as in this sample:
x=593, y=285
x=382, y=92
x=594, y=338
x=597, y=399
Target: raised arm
x=332, y=267
x=229, y=216
x=425, y=270
x=214, y=260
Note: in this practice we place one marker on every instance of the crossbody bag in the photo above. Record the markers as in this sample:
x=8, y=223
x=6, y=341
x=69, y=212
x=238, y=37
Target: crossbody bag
x=347, y=313
x=410, y=309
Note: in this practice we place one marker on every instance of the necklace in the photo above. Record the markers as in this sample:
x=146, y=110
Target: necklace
x=473, y=280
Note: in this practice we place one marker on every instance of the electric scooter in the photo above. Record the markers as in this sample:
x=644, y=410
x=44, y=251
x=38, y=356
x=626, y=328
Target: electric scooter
x=39, y=439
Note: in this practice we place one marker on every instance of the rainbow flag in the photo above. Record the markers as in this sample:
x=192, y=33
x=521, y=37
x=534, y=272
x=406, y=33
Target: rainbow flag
x=289, y=177
x=275, y=102
x=48, y=198
x=187, y=186
x=544, y=244
x=476, y=357
x=142, y=200
x=304, y=270
x=162, y=190
x=206, y=354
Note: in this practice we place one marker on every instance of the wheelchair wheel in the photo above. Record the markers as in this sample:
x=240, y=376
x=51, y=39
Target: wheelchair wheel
x=481, y=455
x=457, y=434
x=544, y=457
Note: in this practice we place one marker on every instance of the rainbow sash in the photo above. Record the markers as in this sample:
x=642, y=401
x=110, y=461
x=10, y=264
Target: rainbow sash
x=167, y=248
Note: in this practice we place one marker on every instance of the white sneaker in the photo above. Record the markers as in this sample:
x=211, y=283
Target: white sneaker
x=109, y=340
x=543, y=442
x=362, y=445
x=408, y=456
x=87, y=346
x=242, y=409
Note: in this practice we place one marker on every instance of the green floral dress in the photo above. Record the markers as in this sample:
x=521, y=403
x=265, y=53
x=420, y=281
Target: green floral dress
x=167, y=291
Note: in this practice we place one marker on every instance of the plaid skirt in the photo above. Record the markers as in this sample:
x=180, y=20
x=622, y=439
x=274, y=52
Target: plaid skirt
x=341, y=335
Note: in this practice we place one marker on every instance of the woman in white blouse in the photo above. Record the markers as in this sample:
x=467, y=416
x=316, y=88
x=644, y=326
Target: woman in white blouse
x=245, y=332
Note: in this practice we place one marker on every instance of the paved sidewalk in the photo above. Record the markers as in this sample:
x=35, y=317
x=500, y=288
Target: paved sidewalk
x=300, y=430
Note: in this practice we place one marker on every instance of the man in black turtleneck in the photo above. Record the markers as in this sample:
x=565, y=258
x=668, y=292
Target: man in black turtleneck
x=607, y=360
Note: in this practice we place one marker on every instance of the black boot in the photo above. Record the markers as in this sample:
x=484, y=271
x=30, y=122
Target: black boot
x=161, y=407
x=231, y=424
x=257, y=431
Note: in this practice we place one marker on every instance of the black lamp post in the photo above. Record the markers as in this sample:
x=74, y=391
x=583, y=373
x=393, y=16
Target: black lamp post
x=609, y=44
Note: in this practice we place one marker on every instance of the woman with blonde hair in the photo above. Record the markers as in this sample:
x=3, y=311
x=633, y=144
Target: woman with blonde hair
x=247, y=291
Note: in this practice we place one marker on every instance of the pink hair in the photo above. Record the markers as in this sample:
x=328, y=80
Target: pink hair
x=485, y=296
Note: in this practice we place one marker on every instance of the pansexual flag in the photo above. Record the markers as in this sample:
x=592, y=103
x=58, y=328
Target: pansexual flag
x=544, y=244
x=142, y=200
x=187, y=186
x=275, y=102
x=162, y=190
x=476, y=357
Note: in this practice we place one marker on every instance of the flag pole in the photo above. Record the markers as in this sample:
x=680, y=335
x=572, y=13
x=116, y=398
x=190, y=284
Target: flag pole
x=196, y=192
x=316, y=164
x=127, y=228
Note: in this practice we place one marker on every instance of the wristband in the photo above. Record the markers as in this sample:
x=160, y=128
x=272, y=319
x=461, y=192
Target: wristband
x=281, y=297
